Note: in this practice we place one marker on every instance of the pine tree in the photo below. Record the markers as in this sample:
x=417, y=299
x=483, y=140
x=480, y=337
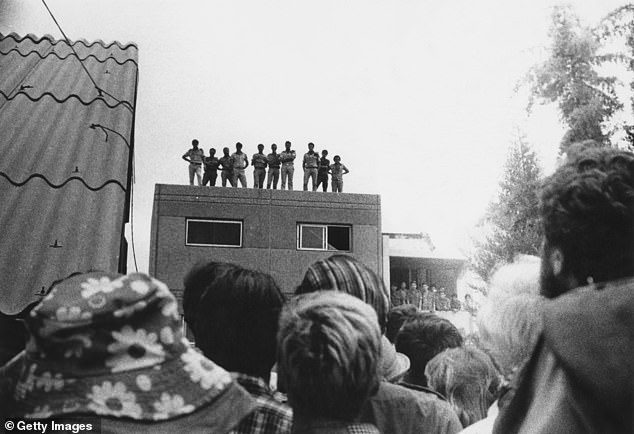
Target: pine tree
x=511, y=223
x=569, y=77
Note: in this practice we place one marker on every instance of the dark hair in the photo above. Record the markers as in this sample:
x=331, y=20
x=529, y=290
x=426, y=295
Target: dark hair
x=260, y=145
x=587, y=211
x=324, y=152
x=238, y=145
x=233, y=313
x=421, y=337
x=194, y=142
x=395, y=319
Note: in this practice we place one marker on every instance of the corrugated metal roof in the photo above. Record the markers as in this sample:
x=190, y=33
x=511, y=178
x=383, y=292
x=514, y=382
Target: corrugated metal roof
x=65, y=160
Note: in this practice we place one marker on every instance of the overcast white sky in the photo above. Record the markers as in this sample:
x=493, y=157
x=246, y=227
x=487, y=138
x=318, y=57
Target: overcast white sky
x=416, y=96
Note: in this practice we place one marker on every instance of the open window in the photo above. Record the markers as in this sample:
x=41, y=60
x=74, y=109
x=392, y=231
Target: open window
x=215, y=233
x=324, y=237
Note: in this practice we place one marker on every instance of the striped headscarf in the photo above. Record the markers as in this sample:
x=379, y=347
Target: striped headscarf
x=347, y=274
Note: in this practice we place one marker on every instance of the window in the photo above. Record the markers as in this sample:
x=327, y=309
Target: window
x=323, y=237
x=219, y=233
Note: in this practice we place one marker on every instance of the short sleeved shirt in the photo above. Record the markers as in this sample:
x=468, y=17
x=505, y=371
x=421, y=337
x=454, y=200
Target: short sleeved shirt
x=211, y=164
x=259, y=161
x=195, y=155
x=287, y=158
x=227, y=164
x=311, y=161
x=273, y=160
x=324, y=165
x=239, y=160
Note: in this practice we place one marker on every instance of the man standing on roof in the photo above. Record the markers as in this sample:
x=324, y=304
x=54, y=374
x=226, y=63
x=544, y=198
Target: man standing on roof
x=273, y=160
x=194, y=157
x=211, y=168
x=310, y=164
x=287, y=157
x=227, y=168
x=322, y=171
x=240, y=162
x=337, y=170
x=258, y=161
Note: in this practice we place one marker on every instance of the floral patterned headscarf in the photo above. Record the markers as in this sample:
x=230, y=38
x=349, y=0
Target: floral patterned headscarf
x=112, y=345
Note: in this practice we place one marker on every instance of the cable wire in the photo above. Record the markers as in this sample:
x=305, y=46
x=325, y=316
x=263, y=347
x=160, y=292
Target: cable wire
x=99, y=90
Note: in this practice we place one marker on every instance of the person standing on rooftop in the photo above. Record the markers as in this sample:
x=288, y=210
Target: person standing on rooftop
x=240, y=162
x=227, y=168
x=322, y=171
x=310, y=164
x=337, y=170
x=287, y=157
x=194, y=157
x=273, y=161
x=259, y=161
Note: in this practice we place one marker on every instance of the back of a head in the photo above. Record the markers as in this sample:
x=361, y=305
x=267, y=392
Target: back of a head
x=587, y=211
x=423, y=336
x=347, y=274
x=328, y=357
x=510, y=320
x=395, y=319
x=467, y=377
x=233, y=313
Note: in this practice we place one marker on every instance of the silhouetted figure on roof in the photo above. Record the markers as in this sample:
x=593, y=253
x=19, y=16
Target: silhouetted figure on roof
x=287, y=157
x=211, y=168
x=337, y=170
x=259, y=162
x=240, y=162
x=274, y=162
x=322, y=171
x=194, y=157
x=226, y=162
x=310, y=164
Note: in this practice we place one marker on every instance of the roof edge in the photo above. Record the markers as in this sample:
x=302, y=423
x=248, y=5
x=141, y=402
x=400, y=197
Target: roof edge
x=35, y=39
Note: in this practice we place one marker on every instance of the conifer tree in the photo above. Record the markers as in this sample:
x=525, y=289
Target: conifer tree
x=511, y=223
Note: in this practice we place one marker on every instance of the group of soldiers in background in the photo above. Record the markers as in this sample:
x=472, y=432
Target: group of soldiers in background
x=232, y=167
x=428, y=298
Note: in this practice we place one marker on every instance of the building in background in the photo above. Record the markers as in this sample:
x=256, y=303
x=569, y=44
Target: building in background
x=412, y=257
x=66, y=141
x=276, y=231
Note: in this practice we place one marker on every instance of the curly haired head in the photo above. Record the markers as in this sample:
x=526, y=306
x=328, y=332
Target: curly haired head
x=587, y=211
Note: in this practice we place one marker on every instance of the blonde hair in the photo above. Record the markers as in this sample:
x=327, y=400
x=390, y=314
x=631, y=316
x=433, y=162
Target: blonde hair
x=510, y=319
x=468, y=379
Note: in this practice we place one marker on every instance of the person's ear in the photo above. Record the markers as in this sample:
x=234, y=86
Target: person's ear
x=556, y=260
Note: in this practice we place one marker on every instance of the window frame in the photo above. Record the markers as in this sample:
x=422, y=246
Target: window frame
x=228, y=246
x=324, y=226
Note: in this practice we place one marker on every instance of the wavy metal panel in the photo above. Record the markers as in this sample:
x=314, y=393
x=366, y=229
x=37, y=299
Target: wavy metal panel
x=65, y=160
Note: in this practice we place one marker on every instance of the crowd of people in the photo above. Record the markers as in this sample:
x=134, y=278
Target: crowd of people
x=555, y=354
x=430, y=299
x=269, y=167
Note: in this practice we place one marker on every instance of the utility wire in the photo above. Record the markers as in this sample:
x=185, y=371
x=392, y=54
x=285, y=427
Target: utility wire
x=99, y=90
